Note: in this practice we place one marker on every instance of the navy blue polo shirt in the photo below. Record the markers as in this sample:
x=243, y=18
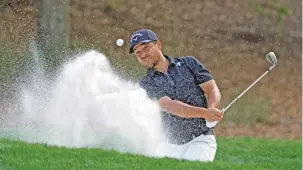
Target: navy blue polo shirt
x=181, y=83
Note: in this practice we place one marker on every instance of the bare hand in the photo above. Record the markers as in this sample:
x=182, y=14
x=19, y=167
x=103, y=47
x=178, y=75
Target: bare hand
x=214, y=114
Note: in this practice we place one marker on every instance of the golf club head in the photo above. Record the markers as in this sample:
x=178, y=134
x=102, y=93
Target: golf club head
x=271, y=57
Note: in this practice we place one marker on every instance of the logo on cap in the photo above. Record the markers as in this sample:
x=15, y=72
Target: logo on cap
x=135, y=36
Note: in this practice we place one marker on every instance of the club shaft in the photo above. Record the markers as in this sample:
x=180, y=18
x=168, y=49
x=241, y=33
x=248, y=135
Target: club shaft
x=224, y=109
x=214, y=123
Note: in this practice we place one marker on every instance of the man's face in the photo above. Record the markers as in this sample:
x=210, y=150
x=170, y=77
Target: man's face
x=148, y=53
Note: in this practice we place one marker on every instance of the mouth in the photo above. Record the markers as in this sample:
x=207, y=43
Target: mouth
x=146, y=58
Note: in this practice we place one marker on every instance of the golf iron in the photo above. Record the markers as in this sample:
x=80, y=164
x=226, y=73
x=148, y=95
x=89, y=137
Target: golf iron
x=271, y=57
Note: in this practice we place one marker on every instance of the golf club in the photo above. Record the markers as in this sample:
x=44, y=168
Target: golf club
x=271, y=57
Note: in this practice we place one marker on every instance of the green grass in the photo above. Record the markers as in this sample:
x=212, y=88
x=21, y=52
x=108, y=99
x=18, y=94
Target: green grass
x=233, y=153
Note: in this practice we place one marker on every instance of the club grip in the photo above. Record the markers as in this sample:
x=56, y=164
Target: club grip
x=211, y=124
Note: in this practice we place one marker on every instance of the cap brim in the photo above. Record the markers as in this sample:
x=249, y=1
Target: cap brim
x=144, y=41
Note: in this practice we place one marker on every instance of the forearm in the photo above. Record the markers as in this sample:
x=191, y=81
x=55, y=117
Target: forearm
x=214, y=98
x=181, y=109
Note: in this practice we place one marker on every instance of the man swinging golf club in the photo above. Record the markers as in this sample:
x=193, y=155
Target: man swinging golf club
x=187, y=94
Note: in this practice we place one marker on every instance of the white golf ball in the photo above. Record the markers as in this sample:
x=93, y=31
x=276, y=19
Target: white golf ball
x=119, y=42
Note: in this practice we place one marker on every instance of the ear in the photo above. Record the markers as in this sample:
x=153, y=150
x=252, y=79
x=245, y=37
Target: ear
x=159, y=45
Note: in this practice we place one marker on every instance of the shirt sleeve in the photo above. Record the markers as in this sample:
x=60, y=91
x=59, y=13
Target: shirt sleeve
x=201, y=73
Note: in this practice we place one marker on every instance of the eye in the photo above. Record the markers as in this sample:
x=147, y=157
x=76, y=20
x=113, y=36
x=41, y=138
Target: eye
x=137, y=52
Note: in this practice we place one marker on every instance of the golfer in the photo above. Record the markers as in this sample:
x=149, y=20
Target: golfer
x=187, y=94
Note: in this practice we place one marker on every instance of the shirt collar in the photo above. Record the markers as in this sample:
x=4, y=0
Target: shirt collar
x=171, y=61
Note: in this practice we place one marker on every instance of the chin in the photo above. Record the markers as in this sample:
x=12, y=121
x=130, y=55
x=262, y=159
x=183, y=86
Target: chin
x=147, y=65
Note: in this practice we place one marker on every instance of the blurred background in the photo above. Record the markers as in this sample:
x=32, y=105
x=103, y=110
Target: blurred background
x=230, y=37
